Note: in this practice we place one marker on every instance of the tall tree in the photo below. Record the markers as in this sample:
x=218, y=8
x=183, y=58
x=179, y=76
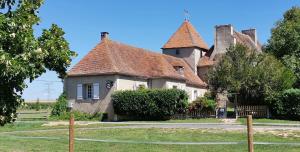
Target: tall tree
x=256, y=77
x=285, y=41
x=24, y=56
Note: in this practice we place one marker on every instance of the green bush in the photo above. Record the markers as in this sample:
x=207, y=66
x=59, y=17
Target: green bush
x=60, y=106
x=206, y=103
x=287, y=104
x=150, y=104
x=60, y=112
x=79, y=116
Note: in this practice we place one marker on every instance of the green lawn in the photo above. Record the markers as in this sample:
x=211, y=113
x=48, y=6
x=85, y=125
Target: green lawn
x=264, y=120
x=174, y=135
x=37, y=145
x=17, y=141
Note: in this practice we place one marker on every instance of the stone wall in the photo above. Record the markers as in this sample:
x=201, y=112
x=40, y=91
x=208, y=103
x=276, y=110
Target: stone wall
x=223, y=39
x=190, y=55
x=103, y=104
x=202, y=72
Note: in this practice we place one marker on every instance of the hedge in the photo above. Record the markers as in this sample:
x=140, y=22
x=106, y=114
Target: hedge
x=288, y=104
x=149, y=104
x=80, y=116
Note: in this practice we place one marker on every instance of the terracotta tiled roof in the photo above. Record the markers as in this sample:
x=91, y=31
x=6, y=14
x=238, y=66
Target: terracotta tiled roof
x=205, y=61
x=110, y=57
x=189, y=75
x=246, y=40
x=185, y=36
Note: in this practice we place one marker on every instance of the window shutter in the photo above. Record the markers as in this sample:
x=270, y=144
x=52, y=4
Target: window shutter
x=96, y=90
x=79, y=91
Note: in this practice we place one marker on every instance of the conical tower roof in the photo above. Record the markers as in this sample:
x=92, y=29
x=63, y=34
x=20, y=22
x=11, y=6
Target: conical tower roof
x=185, y=36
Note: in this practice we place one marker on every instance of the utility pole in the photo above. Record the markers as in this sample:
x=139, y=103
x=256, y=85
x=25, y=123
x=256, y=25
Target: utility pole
x=48, y=90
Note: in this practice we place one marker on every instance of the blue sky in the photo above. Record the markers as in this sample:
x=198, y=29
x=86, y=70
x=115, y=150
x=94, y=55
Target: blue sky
x=146, y=24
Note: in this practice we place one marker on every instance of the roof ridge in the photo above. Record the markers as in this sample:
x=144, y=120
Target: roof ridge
x=193, y=42
x=144, y=49
x=248, y=37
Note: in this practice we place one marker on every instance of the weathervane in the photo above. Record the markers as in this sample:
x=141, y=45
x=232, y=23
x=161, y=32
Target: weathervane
x=187, y=16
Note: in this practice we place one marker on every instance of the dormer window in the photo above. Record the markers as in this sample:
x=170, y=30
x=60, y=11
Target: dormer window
x=179, y=70
x=177, y=52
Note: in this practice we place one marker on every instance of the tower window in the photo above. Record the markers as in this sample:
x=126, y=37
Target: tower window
x=177, y=52
x=180, y=70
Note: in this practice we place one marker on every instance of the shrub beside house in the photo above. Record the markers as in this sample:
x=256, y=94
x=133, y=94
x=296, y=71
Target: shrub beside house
x=149, y=104
x=287, y=105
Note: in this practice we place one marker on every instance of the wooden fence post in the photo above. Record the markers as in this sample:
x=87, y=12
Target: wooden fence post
x=71, y=133
x=250, y=133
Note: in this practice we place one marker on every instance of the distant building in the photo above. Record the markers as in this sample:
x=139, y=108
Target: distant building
x=113, y=66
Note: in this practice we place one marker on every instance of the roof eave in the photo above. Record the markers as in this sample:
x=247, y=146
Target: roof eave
x=105, y=74
x=125, y=74
x=204, y=49
x=203, y=86
x=205, y=65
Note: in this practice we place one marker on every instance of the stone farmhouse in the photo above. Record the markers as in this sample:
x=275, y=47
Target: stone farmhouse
x=183, y=64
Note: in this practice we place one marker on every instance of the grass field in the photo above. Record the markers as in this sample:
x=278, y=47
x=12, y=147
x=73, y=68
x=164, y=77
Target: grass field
x=58, y=139
x=32, y=136
x=264, y=120
x=37, y=145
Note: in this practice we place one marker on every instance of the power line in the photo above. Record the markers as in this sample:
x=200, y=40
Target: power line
x=48, y=81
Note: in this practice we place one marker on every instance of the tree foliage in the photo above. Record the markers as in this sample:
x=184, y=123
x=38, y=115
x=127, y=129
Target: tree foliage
x=285, y=41
x=257, y=77
x=288, y=104
x=23, y=56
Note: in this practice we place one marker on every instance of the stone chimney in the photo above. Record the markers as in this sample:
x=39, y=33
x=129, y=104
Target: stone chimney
x=104, y=35
x=223, y=39
x=252, y=34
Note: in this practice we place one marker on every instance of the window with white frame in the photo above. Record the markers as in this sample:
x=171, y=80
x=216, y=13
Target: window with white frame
x=88, y=91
